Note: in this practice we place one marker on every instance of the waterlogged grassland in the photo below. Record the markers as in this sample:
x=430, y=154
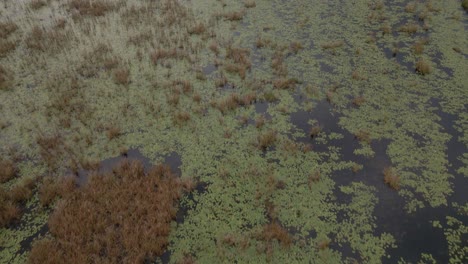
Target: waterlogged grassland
x=85, y=82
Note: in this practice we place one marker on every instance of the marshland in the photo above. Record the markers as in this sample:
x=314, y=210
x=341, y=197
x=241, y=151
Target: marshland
x=243, y=131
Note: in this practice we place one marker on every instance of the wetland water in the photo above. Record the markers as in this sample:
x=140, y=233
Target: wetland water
x=307, y=131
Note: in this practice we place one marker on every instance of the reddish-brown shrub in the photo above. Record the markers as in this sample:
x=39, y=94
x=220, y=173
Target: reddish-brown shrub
x=391, y=178
x=275, y=231
x=119, y=217
x=8, y=170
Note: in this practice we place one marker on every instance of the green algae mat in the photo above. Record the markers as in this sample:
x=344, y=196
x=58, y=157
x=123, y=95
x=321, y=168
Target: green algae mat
x=306, y=131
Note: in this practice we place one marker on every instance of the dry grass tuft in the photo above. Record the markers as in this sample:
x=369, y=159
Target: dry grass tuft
x=91, y=7
x=181, y=117
x=6, y=47
x=410, y=7
x=122, y=76
x=266, y=139
x=363, y=136
x=8, y=170
x=314, y=177
x=113, y=132
x=285, y=84
x=410, y=28
x=8, y=212
x=37, y=4
x=275, y=231
x=197, y=29
x=4, y=78
x=260, y=121
x=234, y=15
x=358, y=101
x=332, y=44
x=7, y=28
x=423, y=67
x=418, y=47
x=114, y=218
x=391, y=178
x=249, y=4
x=53, y=188
x=315, y=131
x=295, y=47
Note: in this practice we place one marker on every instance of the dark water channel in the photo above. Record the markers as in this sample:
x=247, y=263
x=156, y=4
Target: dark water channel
x=414, y=233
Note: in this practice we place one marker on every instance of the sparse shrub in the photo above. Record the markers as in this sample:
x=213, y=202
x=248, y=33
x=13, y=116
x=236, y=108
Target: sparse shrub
x=418, y=47
x=332, y=44
x=249, y=3
x=261, y=42
x=113, y=132
x=91, y=7
x=358, y=76
x=285, y=83
x=266, y=139
x=197, y=29
x=114, y=218
x=20, y=193
x=270, y=96
x=423, y=67
x=315, y=131
x=410, y=7
x=173, y=98
x=314, y=177
x=391, y=178
x=8, y=170
x=260, y=121
x=4, y=78
x=363, y=136
x=6, y=47
x=8, y=212
x=37, y=4
x=7, y=28
x=323, y=244
x=53, y=188
x=122, y=76
x=275, y=231
x=295, y=47
x=234, y=15
x=214, y=47
x=358, y=101
x=181, y=117
x=410, y=28
x=465, y=5
x=196, y=97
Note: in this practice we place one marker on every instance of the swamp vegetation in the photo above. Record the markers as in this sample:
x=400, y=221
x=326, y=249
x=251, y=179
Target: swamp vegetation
x=243, y=131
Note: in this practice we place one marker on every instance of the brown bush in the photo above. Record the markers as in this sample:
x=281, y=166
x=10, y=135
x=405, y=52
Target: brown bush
x=37, y=4
x=266, y=139
x=119, y=217
x=423, y=67
x=8, y=213
x=113, y=132
x=122, y=76
x=249, y=4
x=6, y=47
x=391, y=178
x=7, y=28
x=91, y=7
x=8, y=170
x=20, y=193
x=53, y=188
x=275, y=231
x=332, y=44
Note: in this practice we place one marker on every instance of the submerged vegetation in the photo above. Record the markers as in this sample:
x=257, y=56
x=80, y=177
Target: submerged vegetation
x=286, y=116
